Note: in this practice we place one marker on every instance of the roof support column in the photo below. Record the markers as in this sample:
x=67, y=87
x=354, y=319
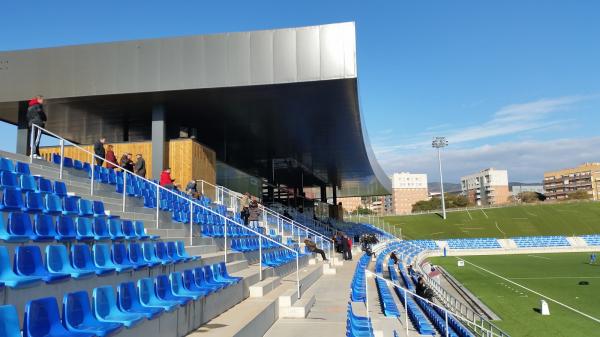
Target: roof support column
x=324, y=193
x=158, y=139
x=22, y=129
x=334, y=189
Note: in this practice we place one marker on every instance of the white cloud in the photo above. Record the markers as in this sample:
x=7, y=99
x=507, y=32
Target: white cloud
x=526, y=161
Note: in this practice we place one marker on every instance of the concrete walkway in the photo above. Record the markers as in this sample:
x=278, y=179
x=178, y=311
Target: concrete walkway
x=328, y=315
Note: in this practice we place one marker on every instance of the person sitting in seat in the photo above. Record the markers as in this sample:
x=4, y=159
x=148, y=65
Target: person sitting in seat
x=312, y=247
x=394, y=257
x=191, y=189
x=165, y=179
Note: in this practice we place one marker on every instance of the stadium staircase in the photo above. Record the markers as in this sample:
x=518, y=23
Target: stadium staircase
x=227, y=300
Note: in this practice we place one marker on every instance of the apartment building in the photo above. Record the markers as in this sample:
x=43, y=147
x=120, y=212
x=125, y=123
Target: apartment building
x=407, y=189
x=487, y=187
x=558, y=184
x=380, y=205
x=351, y=204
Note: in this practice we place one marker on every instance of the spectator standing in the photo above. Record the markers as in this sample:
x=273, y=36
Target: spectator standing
x=140, y=165
x=593, y=258
x=349, y=254
x=245, y=204
x=36, y=116
x=166, y=180
x=312, y=247
x=99, y=151
x=111, y=158
x=345, y=247
x=126, y=162
x=254, y=213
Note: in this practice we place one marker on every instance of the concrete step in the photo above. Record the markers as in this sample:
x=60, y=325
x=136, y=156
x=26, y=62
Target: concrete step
x=265, y=286
x=300, y=309
x=236, y=266
x=201, y=249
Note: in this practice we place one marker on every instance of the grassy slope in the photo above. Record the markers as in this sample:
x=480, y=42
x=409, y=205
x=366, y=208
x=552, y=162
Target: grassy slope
x=515, y=305
x=550, y=219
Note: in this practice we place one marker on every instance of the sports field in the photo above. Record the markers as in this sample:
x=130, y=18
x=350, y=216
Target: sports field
x=556, y=276
x=549, y=219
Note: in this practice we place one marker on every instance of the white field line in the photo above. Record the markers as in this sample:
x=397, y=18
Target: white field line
x=469, y=215
x=499, y=228
x=535, y=292
x=482, y=211
x=540, y=257
x=555, y=278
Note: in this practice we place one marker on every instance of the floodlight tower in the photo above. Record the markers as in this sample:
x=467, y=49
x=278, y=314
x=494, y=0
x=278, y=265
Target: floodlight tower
x=439, y=143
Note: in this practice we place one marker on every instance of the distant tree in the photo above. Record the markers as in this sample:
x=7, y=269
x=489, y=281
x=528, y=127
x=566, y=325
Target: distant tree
x=579, y=195
x=435, y=203
x=529, y=197
x=363, y=211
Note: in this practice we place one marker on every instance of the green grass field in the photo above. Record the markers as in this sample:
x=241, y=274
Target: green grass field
x=553, y=275
x=550, y=219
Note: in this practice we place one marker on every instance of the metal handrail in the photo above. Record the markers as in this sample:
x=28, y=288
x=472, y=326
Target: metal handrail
x=158, y=187
x=489, y=333
x=277, y=215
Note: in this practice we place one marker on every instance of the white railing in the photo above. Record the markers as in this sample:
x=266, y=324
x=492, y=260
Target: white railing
x=480, y=330
x=475, y=320
x=235, y=198
x=191, y=202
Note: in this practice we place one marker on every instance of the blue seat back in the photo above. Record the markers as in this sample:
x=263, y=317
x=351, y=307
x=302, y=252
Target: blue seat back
x=119, y=253
x=34, y=201
x=28, y=260
x=128, y=229
x=146, y=289
x=27, y=183
x=44, y=225
x=65, y=226
x=149, y=252
x=127, y=296
x=161, y=251
x=163, y=286
x=42, y=317
x=84, y=226
x=104, y=301
x=20, y=224
x=135, y=253
x=76, y=308
x=100, y=227
x=53, y=203
x=23, y=168
x=8, y=179
x=81, y=257
x=12, y=199
x=60, y=188
x=98, y=208
x=102, y=255
x=114, y=227
x=85, y=207
x=6, y=165
x=70, y=204
x=57, y=259
x=9, y=321
x=45, y=185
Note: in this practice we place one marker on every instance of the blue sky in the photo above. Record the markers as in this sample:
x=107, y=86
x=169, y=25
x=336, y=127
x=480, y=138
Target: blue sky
x=512, y=84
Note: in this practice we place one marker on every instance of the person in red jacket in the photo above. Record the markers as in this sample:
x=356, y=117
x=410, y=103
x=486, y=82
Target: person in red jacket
x=111, y=158
x=166, y=180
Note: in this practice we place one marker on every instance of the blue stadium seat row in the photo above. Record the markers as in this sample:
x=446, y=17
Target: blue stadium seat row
x=592, y=239
x=251, y=244
x=388, y=306
x=358, y=285
x=358, y=326
x=108, y=312
x=541, y=241
x=473, y=243
x=277, y=258
x=45, y=228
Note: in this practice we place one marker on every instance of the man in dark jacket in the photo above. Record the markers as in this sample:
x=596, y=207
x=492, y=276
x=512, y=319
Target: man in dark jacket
x=140, y=166
x=99, y=151
x=254, y=213
x=36, y=116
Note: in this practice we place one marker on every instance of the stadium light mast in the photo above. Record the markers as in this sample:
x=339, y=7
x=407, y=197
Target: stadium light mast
x=439, y=143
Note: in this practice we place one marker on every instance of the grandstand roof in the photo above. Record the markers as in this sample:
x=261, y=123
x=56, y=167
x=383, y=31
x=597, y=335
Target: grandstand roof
x=285, y=95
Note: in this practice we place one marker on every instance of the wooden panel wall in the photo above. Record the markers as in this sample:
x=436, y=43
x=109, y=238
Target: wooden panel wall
x=187, y=158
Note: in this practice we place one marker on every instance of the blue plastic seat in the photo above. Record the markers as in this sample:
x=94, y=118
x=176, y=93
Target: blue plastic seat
x=210, y=277
x=203, y=283
x=173, y=253
x=225, y=275
x=43, y=228
x=9, y=278
x=22, y=168
x=162, y=254
x=218, y=276
x=78, y=316
x=136, y=256
x=178, y=288
x=45, y=185
x=140, y=230
x=189, y=282
x=120, y=258
x=70, y=205
x=57, y=261
x=34, y=203
x=98, y=208
x=13, y=232
x=6, y=165
x=165, y=292
x=28, y=262
x=128, y=230
x=19, y=224
x=68, y=162
x=77, y=164
x=60, y=188
x=181, y=251
x=12, y=200
x=103, y=259
x=81, y=257
x=148, y=298
x=27, y=183
x=42, y=319
x=114, y=229
x=150, y=254
x=85, y=208
x=9, y=321
x=65, y=228
x=107, y=310
x=128, y=300
x=9, y=179
x=84, y=230
x=52, y=204
x=100, y=229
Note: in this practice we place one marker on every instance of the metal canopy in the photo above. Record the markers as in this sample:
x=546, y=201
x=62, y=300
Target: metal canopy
x=286, y=95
